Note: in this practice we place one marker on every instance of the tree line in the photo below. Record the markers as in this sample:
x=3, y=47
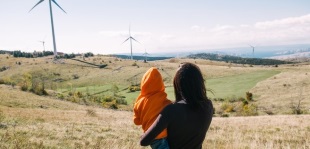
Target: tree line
x=237, y=60
x=18, y=53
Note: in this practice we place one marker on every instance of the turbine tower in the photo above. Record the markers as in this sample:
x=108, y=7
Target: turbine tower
x=52, y=22
x=145, y=56
x=130, y=38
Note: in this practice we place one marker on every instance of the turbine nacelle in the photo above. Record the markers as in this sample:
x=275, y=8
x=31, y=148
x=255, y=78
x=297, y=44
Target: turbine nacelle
x=130, y=38
x=49, y=0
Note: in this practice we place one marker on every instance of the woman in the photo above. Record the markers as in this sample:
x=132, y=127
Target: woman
x=188, y=119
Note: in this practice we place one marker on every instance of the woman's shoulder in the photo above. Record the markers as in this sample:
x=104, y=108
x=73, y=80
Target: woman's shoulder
x=174, y=107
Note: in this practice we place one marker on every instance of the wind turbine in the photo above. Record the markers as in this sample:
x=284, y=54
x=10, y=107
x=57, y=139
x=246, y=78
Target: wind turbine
x=145, y=56
x=43, y=42
x=130, y=38
x=52, y=22
x=252, y=50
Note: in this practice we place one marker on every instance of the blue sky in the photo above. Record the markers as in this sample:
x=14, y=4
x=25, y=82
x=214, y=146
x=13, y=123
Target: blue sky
x=100, y=26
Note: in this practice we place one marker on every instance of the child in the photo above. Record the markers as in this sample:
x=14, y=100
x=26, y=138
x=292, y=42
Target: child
x=149, y=104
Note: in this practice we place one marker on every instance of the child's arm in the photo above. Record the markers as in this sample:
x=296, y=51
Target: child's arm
x=136, y=115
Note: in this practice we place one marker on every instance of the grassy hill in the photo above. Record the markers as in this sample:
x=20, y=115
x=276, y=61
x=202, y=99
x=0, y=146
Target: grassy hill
x=237, y=85
x=238, y=60
x=276, y=90
x=76, y=114
x=141, y=58
x=31, y=121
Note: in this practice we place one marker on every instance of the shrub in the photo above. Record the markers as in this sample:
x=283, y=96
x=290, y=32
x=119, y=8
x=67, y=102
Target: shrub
x=78, y=94
x=108, y=99
x=24, y=87
x=134, y=64
x=227, y=107
x=2, y=81
x=218, y=99
x=73, y=99
x=225, y=115
x=243, y=100
x=249, y=110
x=70, y=94
x=1, y=116
x=75, y=76
x=121, y=101
x=13, y=84
x=249, y=96
x=297, y=111
x=269, y=112
x=3, y=68
x=113, y=106
x=232, y=99
x=6, y=80
x=39, y=90
x=91, y=112
x=134, y=88
x=60, y=96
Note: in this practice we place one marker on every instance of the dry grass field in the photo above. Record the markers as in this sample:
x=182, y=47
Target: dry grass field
x=31, y=121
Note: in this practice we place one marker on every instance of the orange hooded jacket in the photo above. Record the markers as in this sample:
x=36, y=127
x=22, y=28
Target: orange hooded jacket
x=151, y=100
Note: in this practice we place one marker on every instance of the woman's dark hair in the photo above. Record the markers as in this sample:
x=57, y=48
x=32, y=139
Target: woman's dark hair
x=189, y=85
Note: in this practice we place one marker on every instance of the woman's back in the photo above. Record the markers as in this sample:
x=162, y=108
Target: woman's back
x=187, y=127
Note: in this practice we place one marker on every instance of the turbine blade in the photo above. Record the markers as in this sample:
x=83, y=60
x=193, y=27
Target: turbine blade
x=59, y=6
x=125, y=40
x=135, y=39
x=36, y=5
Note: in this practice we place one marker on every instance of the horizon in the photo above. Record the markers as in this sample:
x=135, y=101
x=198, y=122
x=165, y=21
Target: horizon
x=244, y=52
x=100, y=27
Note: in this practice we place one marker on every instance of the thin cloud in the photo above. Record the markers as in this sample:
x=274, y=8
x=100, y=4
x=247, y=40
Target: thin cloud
x=197, y=28
x=222, y=28
x=293, y=30
x=167, y=37
x=123, y=33
x=301, y=21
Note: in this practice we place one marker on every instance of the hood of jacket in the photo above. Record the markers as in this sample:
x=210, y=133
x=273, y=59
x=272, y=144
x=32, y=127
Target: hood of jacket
x=151, y=82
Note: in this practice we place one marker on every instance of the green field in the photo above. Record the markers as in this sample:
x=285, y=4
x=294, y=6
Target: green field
x=223, y=87
x=237, y=85
x=229, y=86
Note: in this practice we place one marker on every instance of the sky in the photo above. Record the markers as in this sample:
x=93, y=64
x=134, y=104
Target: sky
x=160, y=26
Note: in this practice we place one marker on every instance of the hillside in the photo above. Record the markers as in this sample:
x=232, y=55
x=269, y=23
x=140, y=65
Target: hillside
x=141, y=58
x=238, y=60
x=71, y=117
x=276, y=90
x=32, y=121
